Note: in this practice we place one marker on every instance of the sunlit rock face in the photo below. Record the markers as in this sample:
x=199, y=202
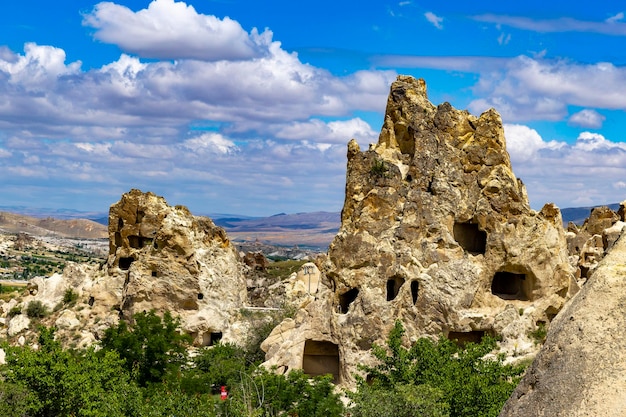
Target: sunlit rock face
x=581, y=368
x=437, y=232
x=170, y=260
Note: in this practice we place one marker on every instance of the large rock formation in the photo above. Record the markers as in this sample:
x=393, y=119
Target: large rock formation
x=581, y=369
x=437, y=232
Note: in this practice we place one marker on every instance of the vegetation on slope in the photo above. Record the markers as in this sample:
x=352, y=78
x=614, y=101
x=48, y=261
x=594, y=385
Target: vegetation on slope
x=143, y=369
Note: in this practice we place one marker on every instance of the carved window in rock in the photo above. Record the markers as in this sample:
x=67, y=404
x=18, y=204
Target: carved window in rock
x=512, y=286
x=321, y=358
x=463, y=338
x=393, y=287
x=470, y=237
x=346, y=299
x=126, y=262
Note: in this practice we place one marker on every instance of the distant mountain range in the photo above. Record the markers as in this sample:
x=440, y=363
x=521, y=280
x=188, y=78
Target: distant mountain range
x=315, y=229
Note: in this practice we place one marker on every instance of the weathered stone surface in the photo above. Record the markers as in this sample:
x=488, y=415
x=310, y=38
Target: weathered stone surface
x=581, y=369
x=171, y=260
x=437, y=232
x=588, y=244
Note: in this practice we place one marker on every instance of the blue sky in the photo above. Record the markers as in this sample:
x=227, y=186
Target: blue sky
x=246, y=107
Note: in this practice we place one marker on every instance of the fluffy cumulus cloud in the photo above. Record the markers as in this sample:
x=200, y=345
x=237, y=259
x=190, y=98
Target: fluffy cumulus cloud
x=581, y=173
x=221, y=114
x=587, y=118
x=528, y=88
x=174, y=30
x=435, y=20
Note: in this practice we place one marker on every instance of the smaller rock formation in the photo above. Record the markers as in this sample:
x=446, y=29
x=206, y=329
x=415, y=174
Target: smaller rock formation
x=588, y=244
x=581, y=369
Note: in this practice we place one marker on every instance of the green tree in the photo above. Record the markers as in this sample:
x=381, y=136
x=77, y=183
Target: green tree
x=213, y=367
x=152, y=348
x=51, y=381
x=471, y=385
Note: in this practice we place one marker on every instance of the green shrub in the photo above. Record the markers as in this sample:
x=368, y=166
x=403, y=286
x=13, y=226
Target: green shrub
x=379, y=168
x=14, y=311
x=70, y=297
x=36, y=310
x=470, y=384
x=540, y=333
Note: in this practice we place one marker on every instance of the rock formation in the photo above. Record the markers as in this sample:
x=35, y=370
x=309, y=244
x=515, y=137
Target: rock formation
x=588, y=244
x=581, y=369
x=160, y=258
x=437, y=232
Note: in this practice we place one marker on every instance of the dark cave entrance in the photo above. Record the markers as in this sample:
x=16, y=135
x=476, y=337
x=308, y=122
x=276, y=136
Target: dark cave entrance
x=414, y=290
x=512, y=286
x=321, y=358
x=470, y=237
x=346, y=299
x=126, y=262
x=463, y=338
x=393, y=287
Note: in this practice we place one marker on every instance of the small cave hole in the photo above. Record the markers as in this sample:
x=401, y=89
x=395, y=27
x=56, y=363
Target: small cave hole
x=126, y=262
x=393, y=287
x=200, y=296
x=140, y=215
x=118, y=239
x=511, y=286
x=470, y=237
x=154, y=273
x=91, y=301
x=214, y=338
x=346, y=299
x=321, y=358
x=463, y=338
x=409, y=178
x=414, y=290
x=120, y=224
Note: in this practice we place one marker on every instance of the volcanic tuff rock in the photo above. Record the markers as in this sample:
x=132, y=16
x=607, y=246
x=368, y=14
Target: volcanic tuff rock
x=169, y=259
x=581, y=368
x=437, y=232
x=161, y=258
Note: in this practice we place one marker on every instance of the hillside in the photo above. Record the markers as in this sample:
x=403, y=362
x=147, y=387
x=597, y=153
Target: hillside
x=71, y=228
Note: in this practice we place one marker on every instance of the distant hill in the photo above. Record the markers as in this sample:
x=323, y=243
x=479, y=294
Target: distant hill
x=72, y=228
x=578, y=215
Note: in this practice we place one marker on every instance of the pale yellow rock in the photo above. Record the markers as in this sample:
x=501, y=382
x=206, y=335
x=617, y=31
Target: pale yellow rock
x=436, y=232
x=581, y=369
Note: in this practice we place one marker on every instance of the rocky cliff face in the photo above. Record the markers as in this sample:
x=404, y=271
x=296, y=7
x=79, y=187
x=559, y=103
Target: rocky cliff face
x=581, y=369
x=437, y=232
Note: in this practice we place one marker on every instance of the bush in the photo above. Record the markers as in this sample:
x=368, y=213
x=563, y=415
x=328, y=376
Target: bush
x=70, y=297
x=152, y=348
x=14, y=311
x=471, y=385
x=36, y=310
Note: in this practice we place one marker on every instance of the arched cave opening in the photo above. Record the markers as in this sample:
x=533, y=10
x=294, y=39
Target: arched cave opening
x=346, y=299
x=321, y=358
x=414, y=290
x=120, y=223
x=118, y=239
x=512, y=286
x=126, y=262
x=200, y=296
x=393, y=287
x=463, y=338
x=470, y=237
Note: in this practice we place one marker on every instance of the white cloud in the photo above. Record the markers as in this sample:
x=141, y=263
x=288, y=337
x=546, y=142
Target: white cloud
x=534, y=88
x=504, y=39
x=586, y=172
x=564, y=24
x=587, y=118
x=617, y=17
x=434, y=19
x=174, y=30
x=340, y=131
x=210, y=142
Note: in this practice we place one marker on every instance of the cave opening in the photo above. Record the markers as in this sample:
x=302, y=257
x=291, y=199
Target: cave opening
x=138, y=242
x=463, y=338
x=346, y=299
x=470, y=237
x=125, y=262
x=512, y=286
x=321, y=358
x=393, y=287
